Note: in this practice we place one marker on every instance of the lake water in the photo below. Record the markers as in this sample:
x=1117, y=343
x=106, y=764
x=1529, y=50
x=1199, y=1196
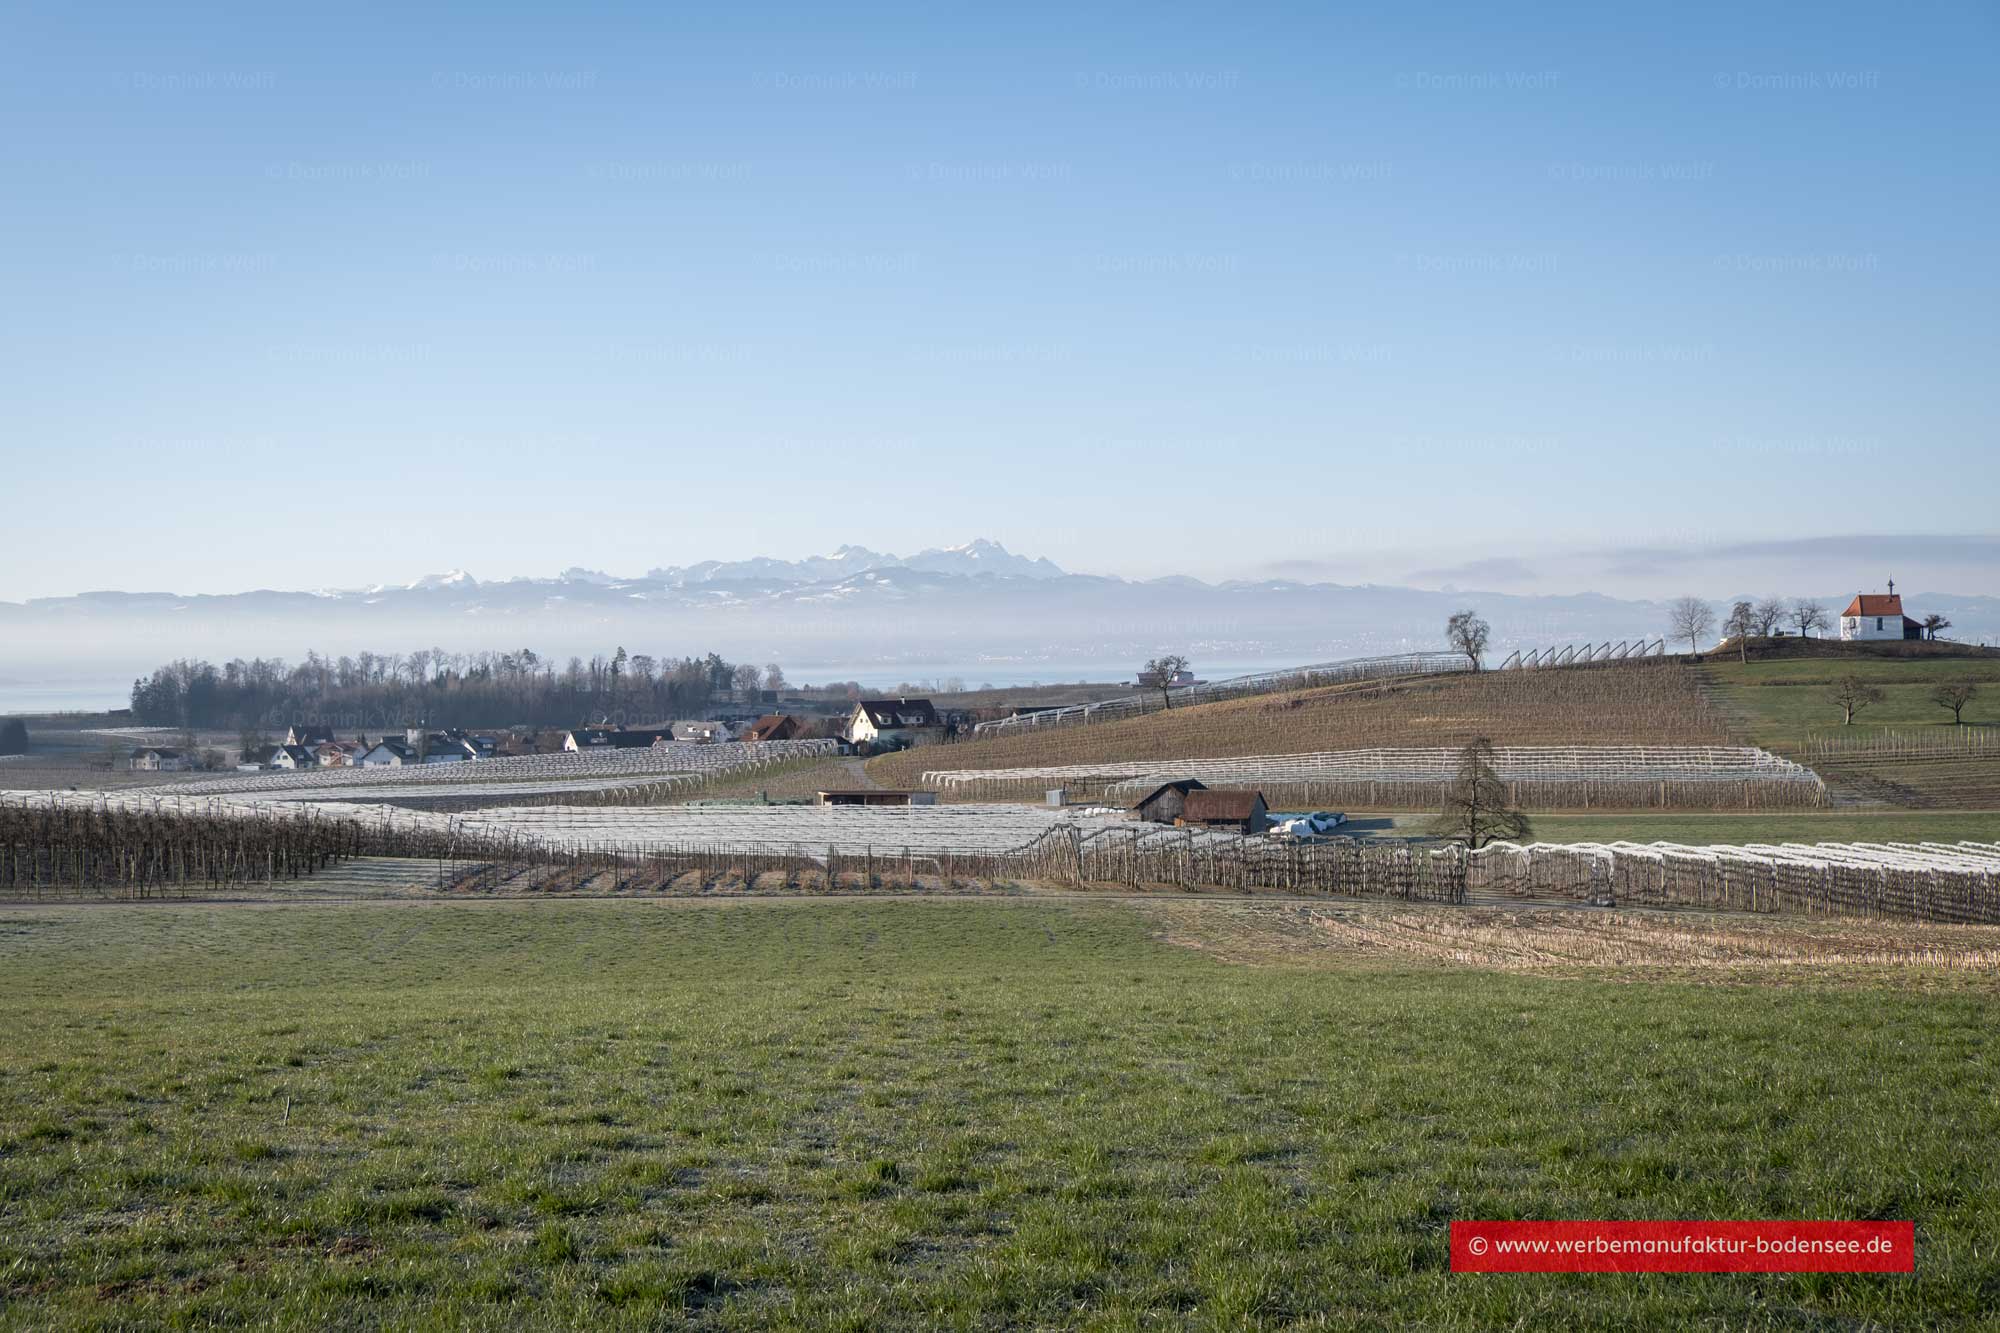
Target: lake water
x=63, y=696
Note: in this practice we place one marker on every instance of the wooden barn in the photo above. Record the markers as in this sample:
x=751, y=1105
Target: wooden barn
x=1242, y=811
x=1163, y=804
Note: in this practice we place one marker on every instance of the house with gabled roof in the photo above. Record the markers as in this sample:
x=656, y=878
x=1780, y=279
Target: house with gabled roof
x=894, y=724
x=153, y=759
x=1877, y=616
x=391, y=753
x=292, y=757
x=773, y=727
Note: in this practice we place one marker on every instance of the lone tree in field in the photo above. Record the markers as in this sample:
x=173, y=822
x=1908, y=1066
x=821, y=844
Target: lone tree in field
x=13, y=736
x=1770, y=614
x=1808, y=615
x=1690, y=618
x=1933, y=623
x=1742, y=623
x=1468, y=633
x=1851, y=694
x=1952, y=694
x=1159, y=674
x=1475, y=804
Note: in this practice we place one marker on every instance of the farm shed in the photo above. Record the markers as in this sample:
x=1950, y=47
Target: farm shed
x=773, y=727
x=1243, y=811
x=1163, y=804
x=871, y=797
x=895, y=723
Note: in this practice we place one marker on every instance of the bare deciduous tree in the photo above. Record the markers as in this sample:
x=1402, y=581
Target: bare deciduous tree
x=1742, y=623
x=1851, y=694
x=1808, y=615
x=1159, y=674
x=1770, y=614
x=1475, y=804
x=774, y=676
x=1690, y=618
x=1955, y=695
x=1934, y=623
x=1468, y=634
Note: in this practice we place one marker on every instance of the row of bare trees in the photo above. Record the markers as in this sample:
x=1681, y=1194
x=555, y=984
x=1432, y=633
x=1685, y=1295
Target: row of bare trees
x=374, y=691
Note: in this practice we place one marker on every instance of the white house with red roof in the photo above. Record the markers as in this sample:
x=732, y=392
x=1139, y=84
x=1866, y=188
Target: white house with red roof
x=1878, y=616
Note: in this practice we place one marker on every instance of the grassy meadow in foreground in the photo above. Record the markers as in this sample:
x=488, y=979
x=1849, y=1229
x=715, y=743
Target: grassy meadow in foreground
x=973, y=1114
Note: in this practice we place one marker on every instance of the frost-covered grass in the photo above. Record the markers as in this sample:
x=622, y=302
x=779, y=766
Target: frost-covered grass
x=922, y=1114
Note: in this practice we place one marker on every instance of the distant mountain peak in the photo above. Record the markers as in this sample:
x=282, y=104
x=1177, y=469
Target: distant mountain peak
x=982, y=555
x=456, y=578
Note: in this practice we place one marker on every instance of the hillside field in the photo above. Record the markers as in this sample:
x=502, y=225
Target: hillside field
x=1783, y=705
x=1784, y=702
x=1651, y=703
x=973, y=1114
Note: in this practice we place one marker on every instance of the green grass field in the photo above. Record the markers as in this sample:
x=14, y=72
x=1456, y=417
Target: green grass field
x=1785, y=700
x=1702, y=828
x=923, y=1114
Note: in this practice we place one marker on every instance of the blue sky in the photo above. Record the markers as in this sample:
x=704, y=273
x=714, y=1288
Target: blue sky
x=1385, y=293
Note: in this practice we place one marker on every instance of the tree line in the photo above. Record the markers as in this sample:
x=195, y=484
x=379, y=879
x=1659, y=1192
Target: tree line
x=371, y=691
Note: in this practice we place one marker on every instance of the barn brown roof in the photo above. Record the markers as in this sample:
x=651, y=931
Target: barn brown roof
x=1212, y=806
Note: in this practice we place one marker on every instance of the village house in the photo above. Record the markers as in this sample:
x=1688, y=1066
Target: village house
x=341, y=754
x=701, y=732
x=774, y=727
x=151, y=759
x=291, y=758
x=895, y=724
x=1239, y=811
x=1164, y=804
x=1876, y=616
x=309, y=737
x=390, y=752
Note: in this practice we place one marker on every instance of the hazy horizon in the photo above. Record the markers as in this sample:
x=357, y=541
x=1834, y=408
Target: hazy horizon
x=1943, y=563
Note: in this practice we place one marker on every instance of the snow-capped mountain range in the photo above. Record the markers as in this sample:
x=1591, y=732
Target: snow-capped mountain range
x=974, y=602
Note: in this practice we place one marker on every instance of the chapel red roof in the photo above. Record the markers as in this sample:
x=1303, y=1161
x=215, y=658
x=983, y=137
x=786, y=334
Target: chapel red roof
x=1875, y=604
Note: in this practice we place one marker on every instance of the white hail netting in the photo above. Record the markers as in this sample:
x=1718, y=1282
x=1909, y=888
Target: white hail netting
x=1524, y=763
x=812, y=831
x=645, y=762
x=809, y=830
x=1977, y=862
